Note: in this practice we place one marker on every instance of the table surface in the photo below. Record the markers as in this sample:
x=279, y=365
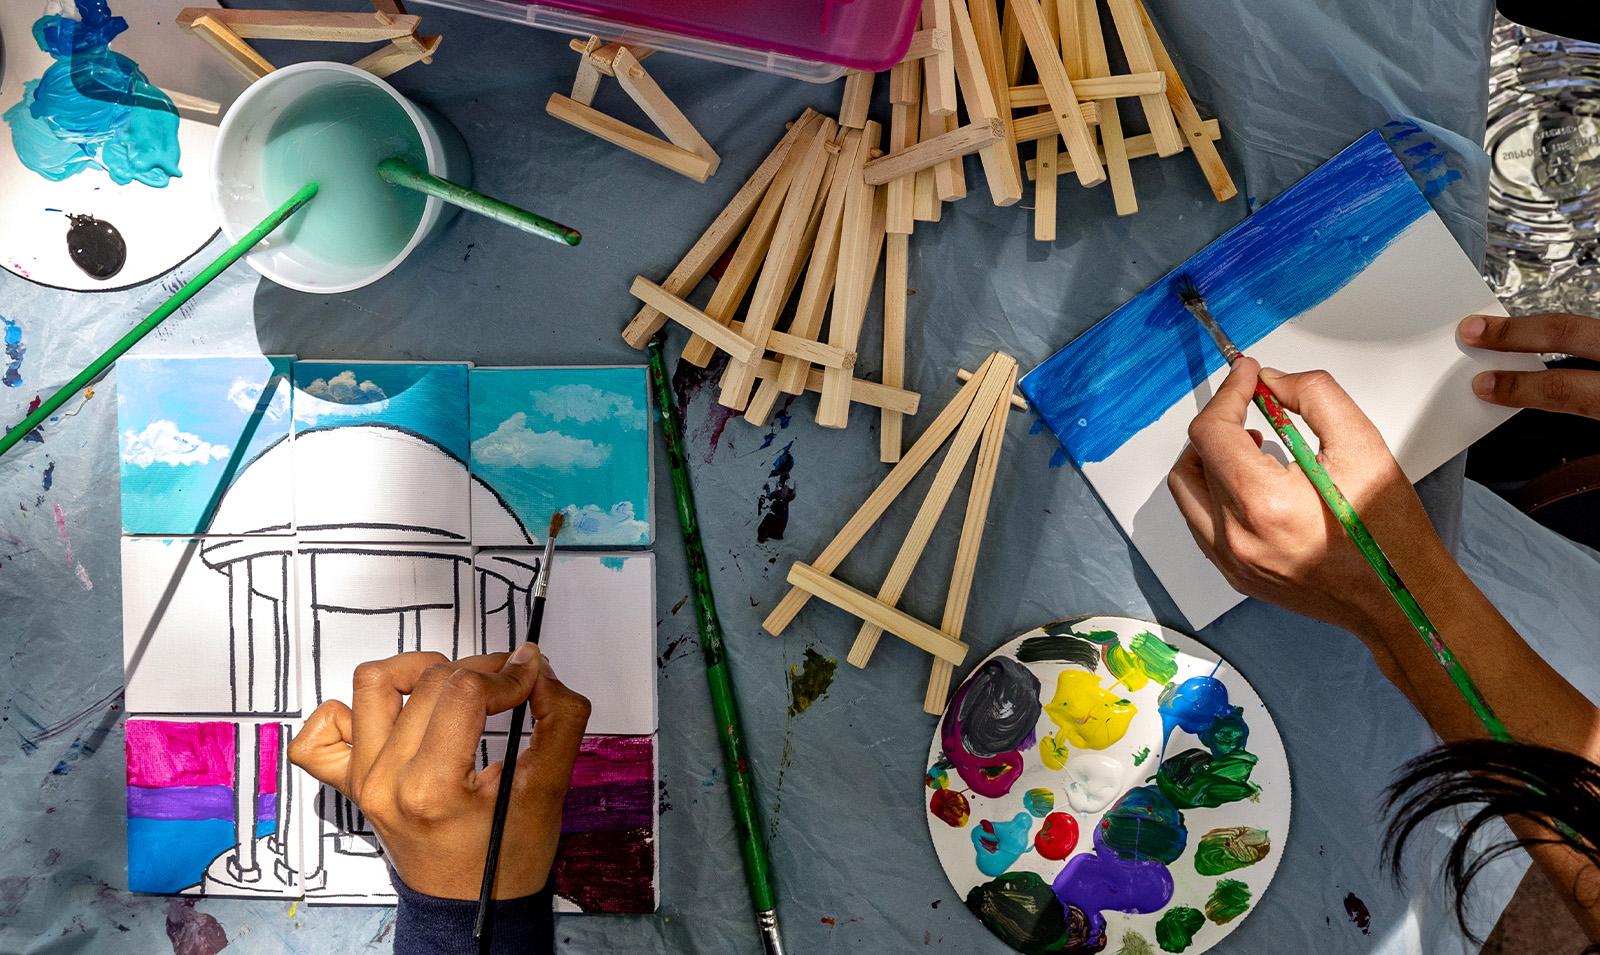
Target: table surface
x=840, y=782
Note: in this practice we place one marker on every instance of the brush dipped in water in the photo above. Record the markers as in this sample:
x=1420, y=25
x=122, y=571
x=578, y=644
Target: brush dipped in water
x=481, y=927
x=396, y=171
x=1345, y=512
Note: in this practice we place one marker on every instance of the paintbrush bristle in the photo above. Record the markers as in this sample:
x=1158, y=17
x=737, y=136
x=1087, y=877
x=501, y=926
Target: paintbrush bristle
x=1189, y=293
x=556, y=520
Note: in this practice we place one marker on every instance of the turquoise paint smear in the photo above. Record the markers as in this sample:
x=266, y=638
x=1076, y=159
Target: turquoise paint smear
x=92, y=108
x=1122, y=374
x=12, y=376
x=428, y=400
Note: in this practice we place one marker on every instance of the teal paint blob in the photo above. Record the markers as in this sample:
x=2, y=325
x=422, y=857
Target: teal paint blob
x=999, y=844
x=92, y=108
x=613, y=563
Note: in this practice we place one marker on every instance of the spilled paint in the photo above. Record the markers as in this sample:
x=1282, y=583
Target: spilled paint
x=1093, y=781
x=193, y=932
x=677, y=648
x=1228, y=901
x=810, y=682
x=989, y=723
x=92, y=108
x=1236, y=847
x=999, y=844
x=1023, y=911
x=1085, y=715
x=776, y=496
x=1175, y=931
x=1356, y=911
x=66, y=542
x=689, y=380
x=1057, y=836
x=950, y=807
x=49, y=477
x=95, y=246
x=1427, y=161
x=36, y=436
x=1039, y=802
x=15, y=350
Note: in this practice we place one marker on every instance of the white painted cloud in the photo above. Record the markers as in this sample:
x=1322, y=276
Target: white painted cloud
x=514, y=444
x=586, y=403
x=591, y=524
x=245, y=395
x=162, y=442
x=344, y=389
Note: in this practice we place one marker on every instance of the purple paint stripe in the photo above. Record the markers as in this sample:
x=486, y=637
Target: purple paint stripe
x=610, y=760
x=609, y=808
x=192, y=802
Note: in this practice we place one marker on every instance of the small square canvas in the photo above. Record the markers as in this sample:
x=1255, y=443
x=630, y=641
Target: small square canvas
x=599, y=629
x=204, y=445
x=1349, y=270
x=381, y=451
x=208, y=809
x=575, y=440
x=208, y=625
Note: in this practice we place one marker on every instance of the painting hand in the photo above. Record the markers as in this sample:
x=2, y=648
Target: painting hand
x=407, y=755
x=1569, y=390
x=1262, y=523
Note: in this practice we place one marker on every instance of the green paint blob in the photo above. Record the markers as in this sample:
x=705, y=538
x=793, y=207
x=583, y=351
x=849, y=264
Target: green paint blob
x=1134, y=944
x=1142, y=755
x=1022, y=909
x=1194, y=779
x=809, y=684
x=1224, y=850
x=336, y=136
x=1177, y=927
x=1228, y=901
x=1227, y=734
x=1144, y=825
x=1101, y=637
x=1157, y=657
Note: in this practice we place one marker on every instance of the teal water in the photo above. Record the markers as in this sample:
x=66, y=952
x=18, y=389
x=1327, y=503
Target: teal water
x=337, y=136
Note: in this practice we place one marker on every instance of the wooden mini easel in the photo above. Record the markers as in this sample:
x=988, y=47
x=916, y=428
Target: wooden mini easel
x=684, y=151
x=227, y=30
x=976, y=417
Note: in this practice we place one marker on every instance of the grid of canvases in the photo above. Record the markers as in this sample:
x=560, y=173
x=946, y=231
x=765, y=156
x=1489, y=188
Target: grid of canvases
x=286, y=520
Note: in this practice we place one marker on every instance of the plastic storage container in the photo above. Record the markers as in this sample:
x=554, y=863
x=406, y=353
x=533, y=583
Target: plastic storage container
x=813, y=40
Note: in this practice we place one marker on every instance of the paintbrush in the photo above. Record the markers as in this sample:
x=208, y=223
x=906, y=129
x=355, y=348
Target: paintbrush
x=724, y=705
x=398, y=172
x=163, y=311
x=481, y=927
x=1346, y=514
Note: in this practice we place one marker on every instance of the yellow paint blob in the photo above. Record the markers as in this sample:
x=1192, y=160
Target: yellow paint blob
x=1089, y=717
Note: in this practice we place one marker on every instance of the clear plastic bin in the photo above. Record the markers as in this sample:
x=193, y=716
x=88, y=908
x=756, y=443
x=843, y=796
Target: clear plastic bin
x=812, y=40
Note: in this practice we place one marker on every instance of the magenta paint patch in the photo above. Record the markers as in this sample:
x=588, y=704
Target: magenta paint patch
x=163, y=753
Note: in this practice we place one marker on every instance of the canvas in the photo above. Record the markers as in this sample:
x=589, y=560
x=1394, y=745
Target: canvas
x=380, y=451
x=208, y=625
x=204, y=444
x=1349, y=270
x=607, y=861
x=575, y=440
x=599, y=629
x=365, y=602
x=210, y=808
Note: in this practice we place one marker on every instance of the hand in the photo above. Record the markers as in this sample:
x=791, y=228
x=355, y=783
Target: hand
x=409, y=764
x=1571, y=390
x=1263, y=524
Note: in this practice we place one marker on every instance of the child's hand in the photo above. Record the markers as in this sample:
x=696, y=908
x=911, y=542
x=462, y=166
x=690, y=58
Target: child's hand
x=1571, y=390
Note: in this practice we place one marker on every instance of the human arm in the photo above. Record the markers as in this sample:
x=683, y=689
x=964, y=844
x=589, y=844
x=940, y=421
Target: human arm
x=1263, y=525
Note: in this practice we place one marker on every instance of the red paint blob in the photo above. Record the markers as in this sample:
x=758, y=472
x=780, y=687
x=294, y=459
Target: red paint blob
x=950, y=806
x=1057, y=837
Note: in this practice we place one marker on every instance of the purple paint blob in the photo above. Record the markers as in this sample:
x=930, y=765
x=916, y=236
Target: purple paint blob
x=1103, y=880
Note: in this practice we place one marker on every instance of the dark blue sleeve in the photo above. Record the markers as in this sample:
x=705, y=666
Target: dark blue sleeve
x=425, y=925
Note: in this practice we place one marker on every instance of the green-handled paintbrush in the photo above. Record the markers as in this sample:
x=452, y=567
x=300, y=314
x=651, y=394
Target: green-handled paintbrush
x=398, y=172
x=1348, y=518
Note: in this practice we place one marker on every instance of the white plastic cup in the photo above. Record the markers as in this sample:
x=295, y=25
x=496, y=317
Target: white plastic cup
x=236, y=171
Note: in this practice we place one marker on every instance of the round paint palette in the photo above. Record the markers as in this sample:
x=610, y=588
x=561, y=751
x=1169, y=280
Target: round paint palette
x=1057, y=819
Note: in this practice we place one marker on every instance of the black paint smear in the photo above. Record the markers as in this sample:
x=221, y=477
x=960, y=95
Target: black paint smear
x=999, y=707
x=96, y=246
x=810, y=683
x=1059, y=649
x=776, y=496
x=192, y=932
x=1357, y=912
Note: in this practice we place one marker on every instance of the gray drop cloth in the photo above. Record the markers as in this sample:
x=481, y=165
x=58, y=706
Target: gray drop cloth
x=841, y=782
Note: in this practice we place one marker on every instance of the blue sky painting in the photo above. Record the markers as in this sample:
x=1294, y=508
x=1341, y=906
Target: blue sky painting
x=570, y=439
x=188, y=428
x=427, y=400
x=1118, y=377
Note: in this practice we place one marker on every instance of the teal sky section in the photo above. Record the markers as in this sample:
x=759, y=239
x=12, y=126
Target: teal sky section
x=424, y=399
x=194, y=395
x=583, y=441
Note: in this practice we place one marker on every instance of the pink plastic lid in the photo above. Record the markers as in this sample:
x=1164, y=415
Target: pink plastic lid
x=861, y=34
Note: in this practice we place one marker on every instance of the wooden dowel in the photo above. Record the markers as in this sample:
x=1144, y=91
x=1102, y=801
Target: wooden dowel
x=908, y=628
x=1017, y=401
x=1194, y=131
x=305, y=24
x=939, y=76
x=861, y=234
x=1137, y=49
x=399, y=54
x=644, y=91
x=925, y=206
x=964, y=141
x=895, y=278
x=239, y=54
x=925, y=43
x=1094, y=87
x=902, y=136
x=857, y=97
x=1138, y=147
x=636, y=141
x=1113, y=145
x=1058, y=90
x=1040, y=125
x=719, y=335
x=976, y=47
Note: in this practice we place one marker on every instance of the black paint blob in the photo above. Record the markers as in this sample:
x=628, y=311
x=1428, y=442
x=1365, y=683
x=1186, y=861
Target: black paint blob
x=96, y=246
x=999, y=709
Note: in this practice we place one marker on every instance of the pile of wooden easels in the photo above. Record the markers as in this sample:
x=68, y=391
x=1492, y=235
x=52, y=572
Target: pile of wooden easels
x=808, y=211
x=226, y=30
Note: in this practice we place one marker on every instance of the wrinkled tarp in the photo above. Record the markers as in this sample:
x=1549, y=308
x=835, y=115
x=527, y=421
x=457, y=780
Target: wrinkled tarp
x=841, y=782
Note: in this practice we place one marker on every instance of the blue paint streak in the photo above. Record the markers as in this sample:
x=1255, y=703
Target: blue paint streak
x=1058, y=458
x=12, y=376
x=92, y=108
x=167, y=855
x=49, y=475
x=613, y=563
x=1123, y=373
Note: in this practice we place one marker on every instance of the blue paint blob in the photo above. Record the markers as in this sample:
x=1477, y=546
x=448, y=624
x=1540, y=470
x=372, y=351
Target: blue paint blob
x=49, y=475
x=12, y=376
x=1434, y=187
x=613, y=563
x=999, y=844
x=92, y=108
x=1194, y=705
